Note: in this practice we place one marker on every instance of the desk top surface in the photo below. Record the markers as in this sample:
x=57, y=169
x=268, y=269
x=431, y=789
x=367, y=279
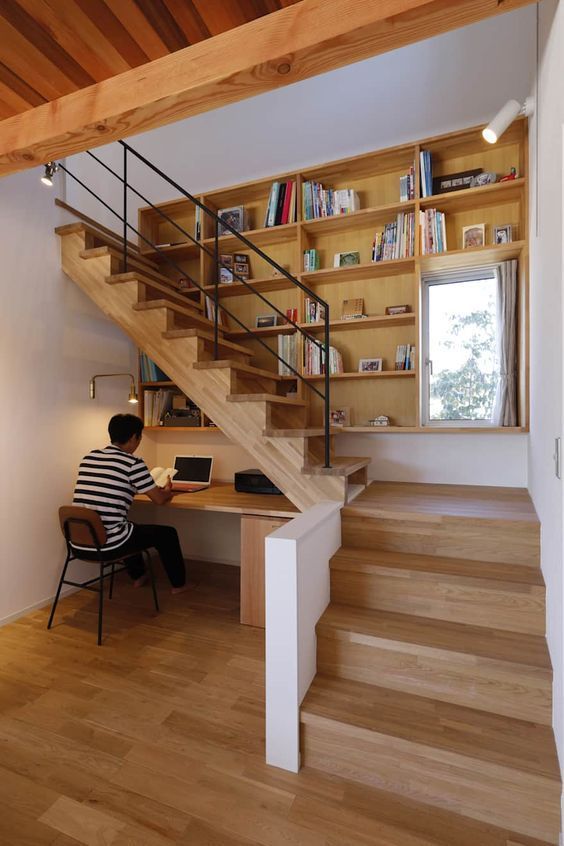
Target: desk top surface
x=222, y=496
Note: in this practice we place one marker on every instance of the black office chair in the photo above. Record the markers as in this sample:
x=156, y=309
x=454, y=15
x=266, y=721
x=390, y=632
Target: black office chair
x=83, y=527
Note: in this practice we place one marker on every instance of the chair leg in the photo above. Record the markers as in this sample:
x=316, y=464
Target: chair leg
x=110, y=595
x=56, y=600
x=101, y=604
x=152, y=577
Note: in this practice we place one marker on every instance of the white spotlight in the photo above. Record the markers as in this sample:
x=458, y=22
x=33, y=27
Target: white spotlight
x=51, y=169
x=506, y=115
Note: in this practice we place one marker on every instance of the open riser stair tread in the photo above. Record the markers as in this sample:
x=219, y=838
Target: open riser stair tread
x=240, y=367
x=165, y=290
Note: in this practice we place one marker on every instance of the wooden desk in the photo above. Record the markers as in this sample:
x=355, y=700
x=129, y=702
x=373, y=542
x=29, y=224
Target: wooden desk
x=261, y=514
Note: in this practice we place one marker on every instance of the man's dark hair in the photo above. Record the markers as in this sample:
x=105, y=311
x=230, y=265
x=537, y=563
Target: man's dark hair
x=123, y=426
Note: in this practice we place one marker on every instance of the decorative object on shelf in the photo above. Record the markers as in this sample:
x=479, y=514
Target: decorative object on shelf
x=225, y=269
x=311, y=261
x=320, y=202
x=426, y=173
x=509, y=176
x=505, y=117
x=487, y=178
x=503, y=234
x=397, y=240
x=314, y=311
x=241, y=266
x=398, y=309
x=185, y=284
x=433, y=231
x=265, y=321
x=382, y=420
x=292, y=314
x=369, y=365
x=346, y=259
x=474, y=236
x=235, y=216
x=454, y=181
x=407, y=186
x=340, y=416
x=352, y=309
x=405, y=357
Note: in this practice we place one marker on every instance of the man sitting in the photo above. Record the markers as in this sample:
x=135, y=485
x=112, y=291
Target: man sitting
x=108, y=479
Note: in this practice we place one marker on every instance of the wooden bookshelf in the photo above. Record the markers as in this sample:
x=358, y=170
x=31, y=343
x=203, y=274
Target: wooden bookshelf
x=375, y=177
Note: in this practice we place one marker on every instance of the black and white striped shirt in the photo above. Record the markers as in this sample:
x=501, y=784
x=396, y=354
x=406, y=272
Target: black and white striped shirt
x=108, y=479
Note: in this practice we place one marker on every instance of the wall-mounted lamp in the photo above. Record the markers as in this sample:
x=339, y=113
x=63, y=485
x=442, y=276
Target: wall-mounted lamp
x=505, y=117
x=51, y=169
x=132, y=392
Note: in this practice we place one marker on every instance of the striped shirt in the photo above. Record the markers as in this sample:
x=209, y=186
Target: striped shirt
x=108, y=479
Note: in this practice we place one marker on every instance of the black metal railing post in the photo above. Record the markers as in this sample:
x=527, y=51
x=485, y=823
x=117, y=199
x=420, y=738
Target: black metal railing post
x=326, y=401
x=125, y=209
x=216, y=290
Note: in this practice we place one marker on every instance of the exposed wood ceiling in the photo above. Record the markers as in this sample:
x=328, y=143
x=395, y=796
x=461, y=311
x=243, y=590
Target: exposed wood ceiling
x=50, y=48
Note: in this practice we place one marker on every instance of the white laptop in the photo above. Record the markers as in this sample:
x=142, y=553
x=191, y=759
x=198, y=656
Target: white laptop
x=193, y=472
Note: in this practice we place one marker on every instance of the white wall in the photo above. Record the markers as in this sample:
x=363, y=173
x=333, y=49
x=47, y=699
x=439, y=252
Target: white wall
x=455, y=80
x=546, y=332
x=52, y=340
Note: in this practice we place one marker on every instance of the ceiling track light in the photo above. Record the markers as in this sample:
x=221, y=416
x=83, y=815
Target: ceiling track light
x=505, y=117
x=51, y=169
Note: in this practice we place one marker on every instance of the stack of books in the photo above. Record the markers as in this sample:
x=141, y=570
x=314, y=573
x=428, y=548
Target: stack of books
x=149, y=370
x=288, y=352
x=281, y=204
x=326, y=202
x=314, y=359
x=433, y=231
x=407, y=186
x=314, y=312
x=311, y=260
x=397, y=240
x=405, y=357
x=426, y=173
x=156, y=404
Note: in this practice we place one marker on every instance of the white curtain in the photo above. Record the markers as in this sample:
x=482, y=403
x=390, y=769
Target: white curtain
x=505, y=404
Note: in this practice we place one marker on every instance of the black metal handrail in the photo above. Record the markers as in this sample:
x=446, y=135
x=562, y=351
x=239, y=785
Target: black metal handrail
x=215, y=256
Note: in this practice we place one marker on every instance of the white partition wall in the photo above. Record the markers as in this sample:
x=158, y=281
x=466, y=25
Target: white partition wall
x=297, y=593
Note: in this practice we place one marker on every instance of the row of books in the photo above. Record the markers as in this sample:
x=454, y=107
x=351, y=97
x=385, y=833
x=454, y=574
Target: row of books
x=433, y=231
x=314, y=311
x=281, y=206
x=210, y=312
x=314, y=359
x=311, y=260
x=426, y=173
x=155, y=406
x=397, y=239
x=149, y=371
x=326, y=202
x=407, y=186
x=405, y=357
x=288, y=352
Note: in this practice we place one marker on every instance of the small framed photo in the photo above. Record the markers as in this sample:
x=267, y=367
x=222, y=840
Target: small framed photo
x=503, y=234
x=226, y=259
x=225, y=276
x=397, y=309
x=265, y=321
x=474, y=236
x=346, y=259
x=241, y=258
x=340, y=416
x=241, y=269
x=369, y=365
x=235, y=217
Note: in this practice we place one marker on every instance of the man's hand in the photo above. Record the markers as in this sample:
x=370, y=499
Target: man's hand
x=161, y=495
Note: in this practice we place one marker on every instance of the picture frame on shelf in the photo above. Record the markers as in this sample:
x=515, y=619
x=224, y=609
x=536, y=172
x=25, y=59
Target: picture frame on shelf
x=235, y=216
x=503, y=234
x=225, y=276
x=265, y=321
x=340, y=416
x=474, y=236
x=370, y=365
x=347, y=259
x=454, y=181
x=397, y=309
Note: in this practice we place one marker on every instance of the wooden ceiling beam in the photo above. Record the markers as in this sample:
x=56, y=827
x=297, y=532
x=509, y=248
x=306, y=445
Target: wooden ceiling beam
x=299, y=41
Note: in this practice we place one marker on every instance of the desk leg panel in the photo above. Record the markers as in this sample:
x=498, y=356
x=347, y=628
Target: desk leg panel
x=254, y=531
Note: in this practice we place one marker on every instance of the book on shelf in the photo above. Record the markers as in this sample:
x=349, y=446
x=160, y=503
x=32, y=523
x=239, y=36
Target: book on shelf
x=433, y=231
x=397, y=240
x=314, y=311
x=353, y=309
x=314, y=359
x=405, y=357
x=426, y=173
x=149, y=371
x=198, y=224
x=407, y=186
x=281, y=207
x=288, y=352
x=210, y=312
x=292, y=314
x=318, y=201
x=155, y=406
x=311, y=260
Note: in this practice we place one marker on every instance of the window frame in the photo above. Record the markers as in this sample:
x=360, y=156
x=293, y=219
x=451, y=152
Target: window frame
x=429, y=280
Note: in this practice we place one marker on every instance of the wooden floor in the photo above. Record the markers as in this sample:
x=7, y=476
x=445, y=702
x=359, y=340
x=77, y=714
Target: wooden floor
x=158, y=738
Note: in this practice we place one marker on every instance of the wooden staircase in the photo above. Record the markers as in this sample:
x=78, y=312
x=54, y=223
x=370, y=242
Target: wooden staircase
x=249, y=404
x=434, y=680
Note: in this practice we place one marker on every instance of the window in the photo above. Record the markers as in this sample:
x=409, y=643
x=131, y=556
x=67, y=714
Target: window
x=460, y=348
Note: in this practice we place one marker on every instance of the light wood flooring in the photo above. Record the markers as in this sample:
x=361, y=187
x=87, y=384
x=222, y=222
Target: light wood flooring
x=157, y=738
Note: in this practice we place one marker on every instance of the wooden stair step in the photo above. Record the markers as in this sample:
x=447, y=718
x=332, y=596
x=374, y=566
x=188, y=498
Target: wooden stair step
x=272, y=398
x=519, y=744
x=173, y=334
x=240, y=366
x=494, y=769
x=177, y=308
x=168, y=288
x=295, y=433
x=102, y=233
x=340, y=466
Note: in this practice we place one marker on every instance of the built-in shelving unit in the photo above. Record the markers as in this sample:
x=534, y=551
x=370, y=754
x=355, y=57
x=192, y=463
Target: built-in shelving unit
x=375, y=176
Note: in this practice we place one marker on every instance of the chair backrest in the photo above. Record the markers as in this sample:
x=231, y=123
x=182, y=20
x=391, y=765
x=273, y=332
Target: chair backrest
x=82, y=526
